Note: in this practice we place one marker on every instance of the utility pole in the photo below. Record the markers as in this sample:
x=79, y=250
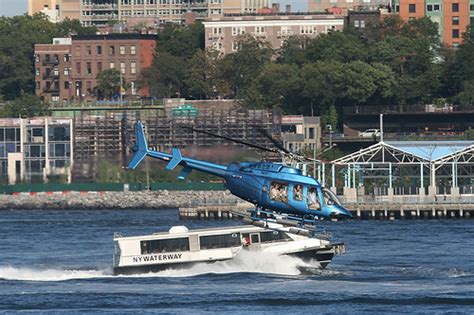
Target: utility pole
x=381, y=127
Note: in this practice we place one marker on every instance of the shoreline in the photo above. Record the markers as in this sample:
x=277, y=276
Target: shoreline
x=162, y=199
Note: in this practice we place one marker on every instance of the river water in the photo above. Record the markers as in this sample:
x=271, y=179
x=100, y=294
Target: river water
x=60, y=262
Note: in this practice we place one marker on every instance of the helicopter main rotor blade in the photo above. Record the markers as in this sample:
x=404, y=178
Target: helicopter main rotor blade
x=231, y=139
x=273, y=140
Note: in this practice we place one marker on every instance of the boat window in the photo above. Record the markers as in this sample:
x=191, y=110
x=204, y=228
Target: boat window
x=312, y=199
x=298, y=192
x=219, y=241
x=163, y=246
x=279, y=191
x=271, y=236
x=330, y=198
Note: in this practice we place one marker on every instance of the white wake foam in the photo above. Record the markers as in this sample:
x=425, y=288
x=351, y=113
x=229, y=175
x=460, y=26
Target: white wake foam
x=28, y=274
x=254, y=262
x=257, y=262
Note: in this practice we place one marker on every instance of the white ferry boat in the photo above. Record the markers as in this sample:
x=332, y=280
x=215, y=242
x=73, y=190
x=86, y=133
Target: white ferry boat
x=180, y=247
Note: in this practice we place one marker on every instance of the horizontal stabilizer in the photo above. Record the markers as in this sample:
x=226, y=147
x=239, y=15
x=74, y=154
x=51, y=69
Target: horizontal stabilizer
x=141, y=148
x=184, y=172
x=175, y=160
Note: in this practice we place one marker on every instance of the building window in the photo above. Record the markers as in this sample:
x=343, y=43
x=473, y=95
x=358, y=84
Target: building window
x=356, y=23
x=111, y=50
x=455, y=45
x=217, y=31
x=133, y=50
x=122, y=49
x=37, y=72
x=362, y=23
x=77, y=51
x=412, y=8
x=88, y=68
x=238, y=31
x=99, y=50
x=66, y=85
x=66, y=71
x=122, y=67
x=112, y=65
x=99, y=67
x=429, y=7
x=455, y=7
x=235, y=46
x=259, y=30
x=88, y=50
x=471, y=7
x=66, y=58
x=436, y=7
x=455, y=33
x=455, y=20
x=78, y=67
x=38, y=85
x=307, y=29
x=133, y=67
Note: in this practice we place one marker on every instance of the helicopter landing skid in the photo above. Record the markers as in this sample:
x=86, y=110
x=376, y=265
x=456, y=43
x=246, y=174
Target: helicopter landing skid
x=268, y=219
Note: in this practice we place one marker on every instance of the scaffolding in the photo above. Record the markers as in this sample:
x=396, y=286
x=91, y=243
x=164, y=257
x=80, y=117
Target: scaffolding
x=110, y=134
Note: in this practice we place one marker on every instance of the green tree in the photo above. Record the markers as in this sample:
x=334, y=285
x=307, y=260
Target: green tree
x=201, y=78
x=26, y=105
x=109, y=83
x=294, y=51
x=240, y=68
x=278, y=85
x=181, y=41
x=165, y=76
x=69, y=27
x=337, y=46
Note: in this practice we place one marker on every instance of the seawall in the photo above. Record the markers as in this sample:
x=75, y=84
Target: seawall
x=115, y=200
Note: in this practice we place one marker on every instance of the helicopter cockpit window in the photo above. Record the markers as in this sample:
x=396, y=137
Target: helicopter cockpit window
x=313, y=200
x=279, y=192
x=330, y=198
x=298, y=192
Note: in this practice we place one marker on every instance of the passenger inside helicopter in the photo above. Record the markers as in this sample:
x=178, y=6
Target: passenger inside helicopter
x=298, y=192
x=313, y=200
x=279, y=192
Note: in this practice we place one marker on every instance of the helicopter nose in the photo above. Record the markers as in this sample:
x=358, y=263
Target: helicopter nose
x=341, y=214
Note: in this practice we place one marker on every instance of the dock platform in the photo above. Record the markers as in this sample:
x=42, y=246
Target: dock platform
x=362, y=211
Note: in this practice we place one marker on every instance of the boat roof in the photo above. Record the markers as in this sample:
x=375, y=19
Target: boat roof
x=204, y=231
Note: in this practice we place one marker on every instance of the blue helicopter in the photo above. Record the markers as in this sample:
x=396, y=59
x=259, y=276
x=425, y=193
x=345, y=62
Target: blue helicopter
x=275, y=189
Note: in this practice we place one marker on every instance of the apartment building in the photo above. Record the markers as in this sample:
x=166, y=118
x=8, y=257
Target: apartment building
x=35, y=149
x=53, y=70
x=223, y=33
x=145, y=12
x=48, y=7
x=453, y=16
x=68, y=68
x=325, y=5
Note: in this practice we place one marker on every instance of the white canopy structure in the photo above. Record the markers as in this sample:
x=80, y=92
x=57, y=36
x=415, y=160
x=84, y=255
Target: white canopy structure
x=442, y=166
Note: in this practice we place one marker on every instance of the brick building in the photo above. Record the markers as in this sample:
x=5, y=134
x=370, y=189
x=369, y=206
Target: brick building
x=453, y=16
x=223, y=33
x=68, y=68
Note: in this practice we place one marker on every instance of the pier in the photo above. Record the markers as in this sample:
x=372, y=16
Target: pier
x=361, y=211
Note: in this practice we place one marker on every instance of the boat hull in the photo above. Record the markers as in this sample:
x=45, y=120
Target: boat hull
x=321, y=255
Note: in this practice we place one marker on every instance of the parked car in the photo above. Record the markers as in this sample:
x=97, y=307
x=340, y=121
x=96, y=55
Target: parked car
x=370, y=133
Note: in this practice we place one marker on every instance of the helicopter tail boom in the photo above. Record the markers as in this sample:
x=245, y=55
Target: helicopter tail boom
x=174, y=159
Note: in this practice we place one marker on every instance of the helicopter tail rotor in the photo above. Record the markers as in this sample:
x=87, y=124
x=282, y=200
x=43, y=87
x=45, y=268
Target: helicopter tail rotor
x=141, y=146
